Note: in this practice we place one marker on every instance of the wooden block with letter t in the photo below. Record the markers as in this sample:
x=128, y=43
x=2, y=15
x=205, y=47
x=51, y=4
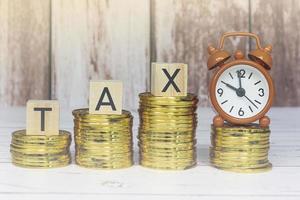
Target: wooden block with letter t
x=106, y=97
x=169, y=79
x=42, y=117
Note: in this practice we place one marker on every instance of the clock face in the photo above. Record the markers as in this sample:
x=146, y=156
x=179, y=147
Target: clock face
x=242, y=91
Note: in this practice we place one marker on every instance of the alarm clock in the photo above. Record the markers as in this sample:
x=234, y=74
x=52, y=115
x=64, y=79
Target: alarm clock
x=241, y=90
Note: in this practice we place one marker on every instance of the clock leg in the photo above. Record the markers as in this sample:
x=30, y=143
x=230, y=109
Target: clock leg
x=218, y=121
x=264, y=121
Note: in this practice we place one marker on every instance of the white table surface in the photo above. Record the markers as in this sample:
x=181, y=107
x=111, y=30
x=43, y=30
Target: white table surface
x=202, y=182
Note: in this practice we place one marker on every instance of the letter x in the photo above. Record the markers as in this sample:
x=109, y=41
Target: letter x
x=171, y=80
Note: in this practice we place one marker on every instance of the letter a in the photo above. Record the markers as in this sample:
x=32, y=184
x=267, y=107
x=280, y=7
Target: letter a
x=110, y=100
x=106, y=97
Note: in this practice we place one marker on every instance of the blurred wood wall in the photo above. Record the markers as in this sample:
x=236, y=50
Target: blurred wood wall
x=52, y=48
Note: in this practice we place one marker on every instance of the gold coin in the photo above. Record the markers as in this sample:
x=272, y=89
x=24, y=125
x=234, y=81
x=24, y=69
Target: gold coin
x=103, y=141
x=167, y=166
x=48, y=164
x=104, y=166
x=250, y=170
x=245, y=128
x=84, y=114
x=179, y=99
x=40, y=151
x=22, y=134
x=167, y=131
x=240, y=148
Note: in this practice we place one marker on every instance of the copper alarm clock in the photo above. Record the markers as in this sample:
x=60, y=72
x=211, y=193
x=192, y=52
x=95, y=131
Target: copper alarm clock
x=241, y=90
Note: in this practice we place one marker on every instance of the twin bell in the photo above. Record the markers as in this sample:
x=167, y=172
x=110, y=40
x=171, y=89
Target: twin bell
x=218, y=56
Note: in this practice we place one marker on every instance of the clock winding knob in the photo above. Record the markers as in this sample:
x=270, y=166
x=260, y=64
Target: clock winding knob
x=238, y=55
x=211, y=49
x=268, y=48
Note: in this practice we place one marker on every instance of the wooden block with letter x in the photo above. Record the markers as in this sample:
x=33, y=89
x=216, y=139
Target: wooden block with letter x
x=169, y=79
x=106, y=97
x=42, y=117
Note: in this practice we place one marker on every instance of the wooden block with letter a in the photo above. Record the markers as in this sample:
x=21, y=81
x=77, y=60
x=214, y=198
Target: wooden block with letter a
x=169, y=79
x=42, y=117
x=106, y=97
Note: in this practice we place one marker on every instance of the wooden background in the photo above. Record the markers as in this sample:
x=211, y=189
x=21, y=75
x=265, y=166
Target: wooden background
x=52, y=48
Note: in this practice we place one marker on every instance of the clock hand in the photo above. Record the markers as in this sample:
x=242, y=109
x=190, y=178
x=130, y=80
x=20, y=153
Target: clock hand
x=240, y=78
x=230, y=86
x=251, y=101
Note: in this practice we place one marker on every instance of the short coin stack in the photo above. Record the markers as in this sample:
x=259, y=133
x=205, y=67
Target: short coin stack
x=240, y=148
x=167, y=131
x=40, y=151
x=103, y=141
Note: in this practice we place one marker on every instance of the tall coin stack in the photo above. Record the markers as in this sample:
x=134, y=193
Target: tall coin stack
x=103, y=141
x=167, y=131
x=240, y=148
x=40, y=151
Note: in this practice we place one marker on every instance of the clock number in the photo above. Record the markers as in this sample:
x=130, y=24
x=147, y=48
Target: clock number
x=241, y=72
x=220, y=91
x=241, y=112
x=261, y=92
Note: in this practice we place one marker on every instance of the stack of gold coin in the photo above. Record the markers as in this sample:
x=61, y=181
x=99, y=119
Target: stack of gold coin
x=240, y=148
x=40, y=151
x=167, y=131
x=103, y=141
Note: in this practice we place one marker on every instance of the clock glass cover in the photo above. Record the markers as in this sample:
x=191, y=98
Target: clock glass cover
x=242, y=91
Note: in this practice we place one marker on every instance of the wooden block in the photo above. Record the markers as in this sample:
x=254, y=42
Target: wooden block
x=106, y=97
x=169, y=79
x=42, y=117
